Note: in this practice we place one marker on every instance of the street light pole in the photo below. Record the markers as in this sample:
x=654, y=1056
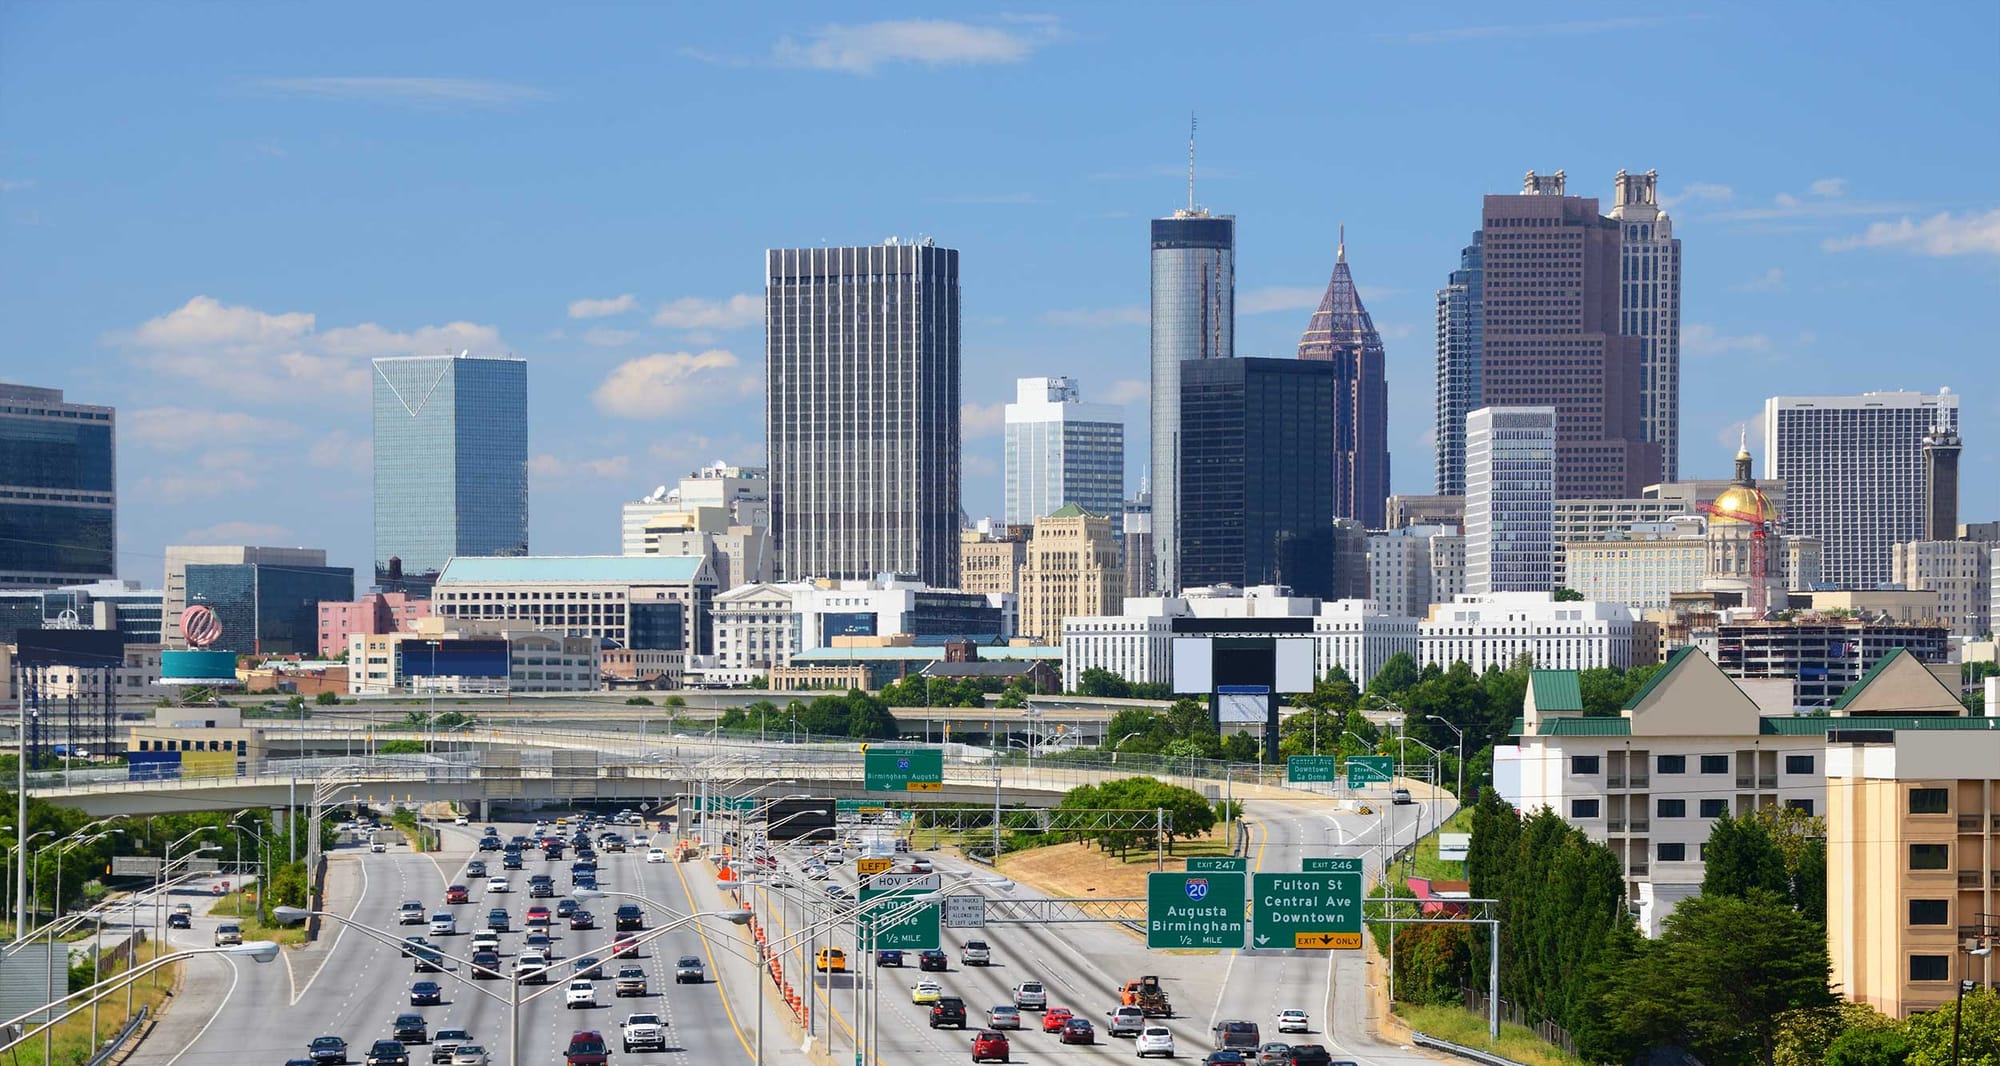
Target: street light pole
x=1460, y=734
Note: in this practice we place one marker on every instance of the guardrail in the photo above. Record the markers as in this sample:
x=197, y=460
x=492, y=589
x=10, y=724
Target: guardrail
x=115, y=1044
x=1485, y=1058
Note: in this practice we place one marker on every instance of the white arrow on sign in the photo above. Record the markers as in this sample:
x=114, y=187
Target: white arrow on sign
x=1262, y=940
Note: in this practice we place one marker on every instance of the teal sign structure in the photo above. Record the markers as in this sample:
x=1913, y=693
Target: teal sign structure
x=1195, y=910
x=1228, y=864
x=902, y=769
x=888, y=915
x=1310, y=770
x=723, y=804
x=1316, y=911
x=1365, y=770
x=1326, y=864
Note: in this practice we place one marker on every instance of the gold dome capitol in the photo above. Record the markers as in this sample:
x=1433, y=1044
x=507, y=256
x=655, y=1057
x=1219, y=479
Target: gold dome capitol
x=1743, y=503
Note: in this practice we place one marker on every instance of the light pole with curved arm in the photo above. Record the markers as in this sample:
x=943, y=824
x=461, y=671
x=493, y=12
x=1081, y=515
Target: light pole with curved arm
x=255, y=950
x=1460, y=734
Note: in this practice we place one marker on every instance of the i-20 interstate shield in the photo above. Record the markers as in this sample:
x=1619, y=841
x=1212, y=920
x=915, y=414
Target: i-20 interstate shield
x=1197, y=888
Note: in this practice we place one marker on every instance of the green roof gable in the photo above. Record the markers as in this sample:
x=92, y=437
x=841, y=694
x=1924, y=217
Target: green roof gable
x=1858, y=687
x=1556, y=690
x=1772, y=727
x=1659, y=676
x=1070, y=510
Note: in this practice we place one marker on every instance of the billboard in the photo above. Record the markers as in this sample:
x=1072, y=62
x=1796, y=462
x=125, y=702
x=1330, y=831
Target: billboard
x=72, y=647
x=197, y=668
x=791, y=819
x=1242, y=705
x=846, y=624
x=454, y=658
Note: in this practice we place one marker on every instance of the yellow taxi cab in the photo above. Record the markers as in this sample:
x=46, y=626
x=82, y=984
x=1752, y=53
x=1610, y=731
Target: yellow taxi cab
x=831, y=960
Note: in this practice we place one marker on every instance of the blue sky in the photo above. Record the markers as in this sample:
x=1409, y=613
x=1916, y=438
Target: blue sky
x=212, y=215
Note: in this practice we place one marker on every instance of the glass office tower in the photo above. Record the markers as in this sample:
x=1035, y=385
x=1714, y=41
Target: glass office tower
x=1194, y=318
x=268, y=609
x=58, y=492
x=1061, y=450
x=451, y=464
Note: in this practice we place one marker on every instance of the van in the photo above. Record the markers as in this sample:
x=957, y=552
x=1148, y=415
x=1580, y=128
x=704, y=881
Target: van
x=1236, y=1035
x=228, y=933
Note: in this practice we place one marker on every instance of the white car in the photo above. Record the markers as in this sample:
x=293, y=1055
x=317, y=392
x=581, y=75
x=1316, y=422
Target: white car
x=469, y=1055
x=1156, y=1040
x=656, y=855
x=443, y=925
x=486, y=940
x=817, y=873
x=498, y=884
x=1293, y=1021
x=378, y=847
x=580, y=994
x=460, y=820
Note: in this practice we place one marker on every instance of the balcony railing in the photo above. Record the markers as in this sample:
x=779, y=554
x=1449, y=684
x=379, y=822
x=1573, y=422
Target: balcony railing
x=1968, y=823
x=1615, y=782
x=1640, y=825
x=1638, y=869
x=1745, y=781
x=1767, y=781
x=1614, y=825
x=1640, y=780
x=1970, y=879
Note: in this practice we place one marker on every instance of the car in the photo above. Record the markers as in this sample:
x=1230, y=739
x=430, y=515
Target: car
x=933, y=961
x=1031, y=995
x=920, y=865
x=228, y=933
x=1225, y=1057
x=387, y=1053
x=926, y=992
x=1294, y=1021
x=948, y=1010
x=411, y=912
x=178, y=920
x=410, y=1028
x=567, y=906
x=625, y=947
x=446, y=1041
x=459, y=820
x=541, y=886
x=497, y=920
x=1125, y=1021
x=688, y=970
x=489, y=843
x=976, y=953
x=531, y=969
x=511, y=861
x=644, y=1032
x=470, y=1055
x=989, y=1046
x=586, y=1049
x=631, y=981
x=476, y=868
x=587, y=880
x=1053, y=1019
x=590, y=968
x=1235, y=1033
x=427, y=959
x=1274, y=1053
x=831, y=960
x=817, y=872
x=1313, y=1055
x=458, y=894
x=486, y=940
x=377, y=847
x=426, y=994
x=1077, y=1031
x=1004, y=1017
x=628, y=916
x=1400, y=797
x=889, y=957
x=327, y=1050
x=656, y=855
x=580, y=994
x=541, y=944
x=443, y=924
x=412, y=943
x=538, y=916
x=582, y=919
x=1155, y=1040
x=486, y=964
x=498, y=884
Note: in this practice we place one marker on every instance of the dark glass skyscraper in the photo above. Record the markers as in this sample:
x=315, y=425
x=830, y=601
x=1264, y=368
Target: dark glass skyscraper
x=58, y=489
x=268, y=609
x=861, y=410
x=1461, y=314
x=1194, y=319
x=451, y=464
x=1256, y=474
x=1341, y=333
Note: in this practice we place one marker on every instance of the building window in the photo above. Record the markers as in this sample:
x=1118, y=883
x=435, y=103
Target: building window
x=1583, y=765
x=1583, y=808
x=1930, y=967
x=1930, y=856
x=1714, y=808
x=1803, y=806
x=1673, y=808
x=1715, y=764
x=1930, y=801
x=1673, y=764
x=1673, y=852
x=1798, y=764
x=1930, y=912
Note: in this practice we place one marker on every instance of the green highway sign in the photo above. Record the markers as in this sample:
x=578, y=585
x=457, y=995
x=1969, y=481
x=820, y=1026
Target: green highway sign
x=1194, y=910
x=1316, y=911
x=723, y=804
x=914, y=930
x=861, y=806
x=1365, y=770
x=1330, y=865
x=902, y=769
x=1227, y=864
x=1310, y=769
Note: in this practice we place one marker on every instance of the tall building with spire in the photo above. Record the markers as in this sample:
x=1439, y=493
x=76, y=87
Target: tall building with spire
x=1341, y=333
x=1649, y=308
x=1194, y=318
x=1461, y=314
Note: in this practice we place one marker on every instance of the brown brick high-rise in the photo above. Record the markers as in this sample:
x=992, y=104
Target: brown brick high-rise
x=1551, y=336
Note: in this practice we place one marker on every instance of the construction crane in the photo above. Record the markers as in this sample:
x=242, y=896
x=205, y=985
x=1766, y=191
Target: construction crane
x=1760, y=529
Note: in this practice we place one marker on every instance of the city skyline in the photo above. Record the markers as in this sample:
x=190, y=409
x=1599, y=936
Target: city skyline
x=241, y=388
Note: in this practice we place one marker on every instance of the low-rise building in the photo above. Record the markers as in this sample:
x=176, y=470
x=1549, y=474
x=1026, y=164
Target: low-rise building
x=1821, y=655
x=756, y=629
x=989, y=560
x=376, y=612
x=444, y=655
x=1960, y=572
x=215, y=736
x=644, y=602
x=1497, y=629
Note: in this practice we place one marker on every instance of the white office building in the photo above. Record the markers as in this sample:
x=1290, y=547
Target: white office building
x=1061, y=450
x=1649, y=308
x=1853, y=468
x=742, y=493
x=757, y=628
x=641, y=603
x=1510, y=499
x=1495, y=630
x=1411, y=568
x=1643, y=569
x=1960, y=572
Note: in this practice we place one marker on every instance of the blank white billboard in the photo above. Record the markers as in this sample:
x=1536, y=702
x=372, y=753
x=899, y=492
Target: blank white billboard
x=1194, y=665
x=1242, y=708
x=1294, y=666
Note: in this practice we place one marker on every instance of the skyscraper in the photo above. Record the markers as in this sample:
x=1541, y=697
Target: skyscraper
x=451, y=464
x=1941, y=452
x=1461, y=315
x=1853, y=468
x=1649, y=308
x=861, y=410
x=1256, y=474
x=1549, y=336
x=1341, y=333
x=58, y=489
x=228, y=565
x=1510, y=455
x=1061, y=450
x=1194, y=318
x=1137, y=557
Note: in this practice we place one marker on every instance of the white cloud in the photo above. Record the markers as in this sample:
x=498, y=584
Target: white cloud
x=236, y=533
x=1772, y=280
x=980, y=464
x=1279, y=298
x=1700, y=338
x=1700, y=190
x=180, y=429
x=218, y=472
x=616, y=305
x=1128, y=315
x=863, y=48
x=341, y=450
x=693, y=312
x=665, y=382
x=424, y=92
x=544, y=466
x=1128, y=390
x=549, y=467
x=975, y=420
x=1942, y=234
x=250, y=354
x=609, y=338
x=1828, y=187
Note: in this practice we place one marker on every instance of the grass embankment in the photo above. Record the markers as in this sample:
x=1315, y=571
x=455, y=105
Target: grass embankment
x=241, y=907
x=1081, y=870
x=1462, y=1027
x=1428, y=864
x=72, y=1036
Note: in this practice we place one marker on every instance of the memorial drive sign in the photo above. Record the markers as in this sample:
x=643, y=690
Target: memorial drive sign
x=1195, y=910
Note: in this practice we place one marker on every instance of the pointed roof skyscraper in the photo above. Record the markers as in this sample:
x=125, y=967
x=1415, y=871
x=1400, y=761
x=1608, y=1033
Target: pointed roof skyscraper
x=1341, y=332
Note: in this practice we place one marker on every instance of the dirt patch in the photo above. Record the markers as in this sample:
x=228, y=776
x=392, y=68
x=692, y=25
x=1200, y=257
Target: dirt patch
x=1081, y=870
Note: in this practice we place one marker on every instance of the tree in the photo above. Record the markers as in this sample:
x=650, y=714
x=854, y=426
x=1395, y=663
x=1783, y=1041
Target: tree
x=1012, y=697
x=1239, y=747
x=1334, y=692
x=1979, y=1032
x=1805, y=1035
x=1397, y=676
x=1743, y=858
x=1868, y=1047
x=326, y=699
x=1097, y=681
x=1152, y=730
x=1563, y=595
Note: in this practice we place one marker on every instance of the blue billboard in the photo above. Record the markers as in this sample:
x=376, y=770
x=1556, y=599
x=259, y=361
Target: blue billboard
x=454, y=658
x=848, y=624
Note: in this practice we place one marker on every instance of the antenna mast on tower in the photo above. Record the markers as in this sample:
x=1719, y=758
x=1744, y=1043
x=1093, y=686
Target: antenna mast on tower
x=1191, y=128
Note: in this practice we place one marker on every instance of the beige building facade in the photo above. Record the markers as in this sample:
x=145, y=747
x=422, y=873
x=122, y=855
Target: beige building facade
x=990, y=564
x=1071, y=571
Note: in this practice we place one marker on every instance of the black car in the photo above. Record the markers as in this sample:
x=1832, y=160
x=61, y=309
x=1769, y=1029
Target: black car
x=586, y=880
x=629, y=916
x=489, y=843
x=582, y=919
x=327, y=1050
x=591, y=967
x=566, y=907
x=1309, y=1055
x=512, y=861
x=541, y=886
x=429, y=960
x=486, y=965
x=426, y=994
x=179, y=921
x=933, y=961
x=387, y=1053
x=410, y=1028
x=948, y=1010
x=553, y=853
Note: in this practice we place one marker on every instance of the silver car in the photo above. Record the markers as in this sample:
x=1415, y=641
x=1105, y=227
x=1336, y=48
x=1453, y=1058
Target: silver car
x=1003, y=1017
x=470, y=1055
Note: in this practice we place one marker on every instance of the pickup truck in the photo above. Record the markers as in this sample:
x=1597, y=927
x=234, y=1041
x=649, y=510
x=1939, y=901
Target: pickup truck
x=644, y=1032
x=631, y=981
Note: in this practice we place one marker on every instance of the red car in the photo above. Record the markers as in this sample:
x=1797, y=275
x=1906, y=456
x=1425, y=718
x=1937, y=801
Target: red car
x=625, y=947
x=586, y=1049
x=538, y=916
x=458, y=894
x=989, y=1046
x=1078, y=1031
x=1054, y=1018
